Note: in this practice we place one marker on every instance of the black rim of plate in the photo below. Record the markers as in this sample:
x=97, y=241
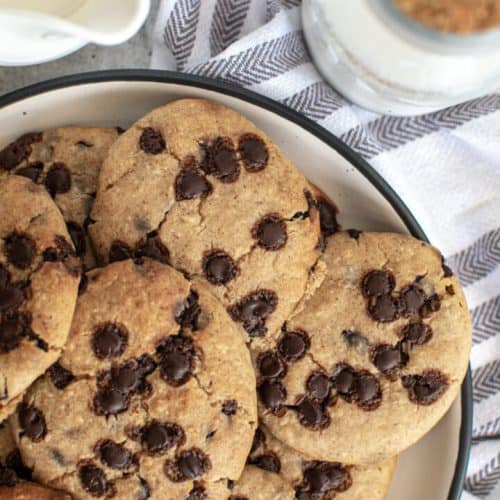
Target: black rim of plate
x=357, y=161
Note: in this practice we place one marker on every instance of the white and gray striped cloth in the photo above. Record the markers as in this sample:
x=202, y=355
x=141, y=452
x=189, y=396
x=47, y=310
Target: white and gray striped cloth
x=444, y=165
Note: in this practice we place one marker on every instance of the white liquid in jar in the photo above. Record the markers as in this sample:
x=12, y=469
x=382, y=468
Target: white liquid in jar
x=384, y=55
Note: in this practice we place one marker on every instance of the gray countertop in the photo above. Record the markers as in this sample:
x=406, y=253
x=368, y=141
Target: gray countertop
x=135, y=53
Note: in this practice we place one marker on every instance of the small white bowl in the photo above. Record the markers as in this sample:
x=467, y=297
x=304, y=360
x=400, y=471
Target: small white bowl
x=33, y=32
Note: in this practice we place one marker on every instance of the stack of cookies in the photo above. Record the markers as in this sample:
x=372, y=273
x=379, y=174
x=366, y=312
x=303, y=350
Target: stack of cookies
x=181, y=317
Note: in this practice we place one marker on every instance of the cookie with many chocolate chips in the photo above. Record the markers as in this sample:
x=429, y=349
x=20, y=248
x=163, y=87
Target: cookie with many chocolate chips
x=382, y=344
x=277, y=472
x=223, y=202
x=153, y=395
x=39, y=275
x=67, y=162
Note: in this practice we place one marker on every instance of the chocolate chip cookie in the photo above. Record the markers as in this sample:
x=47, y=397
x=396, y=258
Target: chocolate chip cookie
x=373, y=358
x=67, y=162
x=196, y=184
x=39, y=276
x=276, y=471
x=153, y=396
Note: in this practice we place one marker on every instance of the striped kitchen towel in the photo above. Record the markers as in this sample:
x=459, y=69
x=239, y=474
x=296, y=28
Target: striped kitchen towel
x=444, y=165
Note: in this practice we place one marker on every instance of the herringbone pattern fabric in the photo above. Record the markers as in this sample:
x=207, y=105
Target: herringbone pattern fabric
x=445, y=165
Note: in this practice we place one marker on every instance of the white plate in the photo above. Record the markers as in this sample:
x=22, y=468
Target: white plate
x=433, y=468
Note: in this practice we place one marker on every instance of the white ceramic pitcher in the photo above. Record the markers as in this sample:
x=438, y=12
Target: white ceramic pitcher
x=35, y=31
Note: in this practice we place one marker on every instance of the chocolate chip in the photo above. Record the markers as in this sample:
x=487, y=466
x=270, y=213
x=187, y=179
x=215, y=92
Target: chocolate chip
x=190, y=464
x=272, y=394
x=267, y=461
x=416, y=333
x=325, y=477
x=344, y=379
x=293, y=345
x=8, y=477
x=15, y=462
x=11, y=298
x=221, y=160
x=32, y=422
x=4, y=277
x=449, y=289
x=114, y=455
x=190, y=184
x=270, y=365
x=13, y=326
x=253, y=310
x=189, y=314
x=58, y=179
x=20, y=250
x=176, y=368
x=411, y=300
x=388, y=359
x=355, y=340
x=253, y=152
x=368, y=394
x=153, y=248
x=93, y=479
x=431, y=305
x=384, y=308
x=31, y=171
x=157, y=437
x=110, y=401
x=151, y=141
x=318, y=386
x=229, y=407
x=124, y=378
x=84, y=144
x=109, y=340
x=219, y=267
x=60, y=376
x=377, y=283
x=237, y=497
x=18, y=151
x=270, y=232
x=119, y=251
x=327, y=217
x=197, y=493
x=426, y=388
x=177, y=360
x=311, y=414
x=354, y=233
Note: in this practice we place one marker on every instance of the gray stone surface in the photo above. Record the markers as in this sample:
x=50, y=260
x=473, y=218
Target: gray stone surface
x=134, y=53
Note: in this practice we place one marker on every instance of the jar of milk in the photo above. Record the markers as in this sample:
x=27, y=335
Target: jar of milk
x=405, y=57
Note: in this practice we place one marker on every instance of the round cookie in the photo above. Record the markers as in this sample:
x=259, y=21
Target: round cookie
x=289, y=475
x=67, y=161
x=374, y=357
x=197, y=184
x=153, y=395
x=39, y=276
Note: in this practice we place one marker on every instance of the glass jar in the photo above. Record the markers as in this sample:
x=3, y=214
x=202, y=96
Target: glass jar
x=383, y=60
